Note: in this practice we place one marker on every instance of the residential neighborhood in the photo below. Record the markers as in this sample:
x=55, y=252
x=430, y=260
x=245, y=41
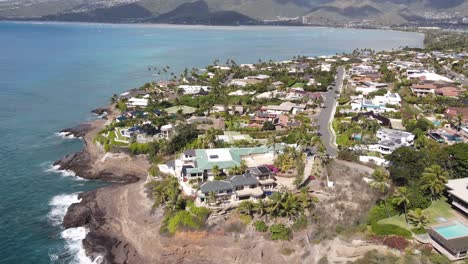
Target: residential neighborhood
x=239, y=138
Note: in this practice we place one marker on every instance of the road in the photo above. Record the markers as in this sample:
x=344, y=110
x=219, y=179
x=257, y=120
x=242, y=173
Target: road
x=326, y=115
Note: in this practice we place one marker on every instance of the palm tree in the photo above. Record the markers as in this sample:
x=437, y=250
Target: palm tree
x=290, y=207
x=261, y=207
x=272, y=141
x=246, y=208
x=210, y=138
x=402, y=198
x=381, y=181
x=419, y=218
x=434, y=179
x=215, y=171
x=458, y=121
x=243, y=166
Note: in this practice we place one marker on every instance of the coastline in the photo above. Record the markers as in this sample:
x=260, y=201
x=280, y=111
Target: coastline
x=93, y=163
x=123, y=227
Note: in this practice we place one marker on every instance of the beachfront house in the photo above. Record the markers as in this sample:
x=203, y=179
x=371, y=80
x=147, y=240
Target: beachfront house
x=252, y=185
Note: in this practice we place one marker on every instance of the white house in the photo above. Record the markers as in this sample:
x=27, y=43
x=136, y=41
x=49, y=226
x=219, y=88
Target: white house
x=137, y=102
x=193, y=89
x=390, y=140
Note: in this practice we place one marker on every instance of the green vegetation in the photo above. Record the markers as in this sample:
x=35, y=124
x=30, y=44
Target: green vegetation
x=389, y=229
x=280, y=232
x=193, y=218
x=260, y=226
x=180, y=214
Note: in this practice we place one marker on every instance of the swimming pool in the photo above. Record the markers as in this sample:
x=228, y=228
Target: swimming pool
x=453, y=138
x=452, y=231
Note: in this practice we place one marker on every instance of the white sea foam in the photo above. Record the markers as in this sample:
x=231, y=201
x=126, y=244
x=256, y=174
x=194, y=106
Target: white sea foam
x=65, y=135
x=65, y=173
x=73, y=251
x=73, y=238
x=59, y=205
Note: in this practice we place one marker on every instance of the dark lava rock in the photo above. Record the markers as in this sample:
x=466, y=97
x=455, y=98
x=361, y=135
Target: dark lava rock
x=80, y=214
x=102, y=112
x=78, y=131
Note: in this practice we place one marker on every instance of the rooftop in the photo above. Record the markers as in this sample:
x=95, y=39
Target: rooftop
x=458, y=188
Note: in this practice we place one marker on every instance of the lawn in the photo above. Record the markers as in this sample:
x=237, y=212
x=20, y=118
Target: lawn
x=118, y=135
x=439, y=208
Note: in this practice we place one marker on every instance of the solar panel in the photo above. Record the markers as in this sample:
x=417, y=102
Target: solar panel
x=263, y=169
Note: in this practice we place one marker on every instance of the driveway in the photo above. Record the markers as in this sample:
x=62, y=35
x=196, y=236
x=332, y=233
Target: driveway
x=326, y=115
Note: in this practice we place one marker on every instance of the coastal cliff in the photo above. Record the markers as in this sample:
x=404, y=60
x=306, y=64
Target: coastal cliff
x=123, y=226
x=94, y=164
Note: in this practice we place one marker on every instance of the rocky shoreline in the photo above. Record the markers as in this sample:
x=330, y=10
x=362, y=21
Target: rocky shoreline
x=123, y=227
x=100, y=245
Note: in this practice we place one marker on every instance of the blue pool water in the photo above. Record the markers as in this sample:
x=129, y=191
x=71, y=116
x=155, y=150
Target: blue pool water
x=453, y=231
x=52, y=75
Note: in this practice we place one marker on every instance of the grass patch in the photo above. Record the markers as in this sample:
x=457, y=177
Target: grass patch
x=388, y=229
x=439, y=208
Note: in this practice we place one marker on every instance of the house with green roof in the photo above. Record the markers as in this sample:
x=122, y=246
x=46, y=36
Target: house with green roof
x=198, y=163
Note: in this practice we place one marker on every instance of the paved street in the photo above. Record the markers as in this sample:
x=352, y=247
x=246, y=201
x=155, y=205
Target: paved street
x=326, y=115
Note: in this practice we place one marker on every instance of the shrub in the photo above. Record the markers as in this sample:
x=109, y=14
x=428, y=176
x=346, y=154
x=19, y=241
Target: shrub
x=287, y=251
x=246, y=219
x=139, y=148
x=438, y=259
x=280, y=232
x=379, y=212
x=300, y=223
x=191, y=219
x=418, y=199
x=388, y=229
x=419, y=231
x=396, y=242
x=260, y=226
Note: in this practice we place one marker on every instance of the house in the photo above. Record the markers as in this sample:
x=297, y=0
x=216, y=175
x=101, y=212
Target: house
x=231, y=109
x=449, y=91
x=378, y=104
x=248, y=186
x=423, y=89
x=428, y=76
x=458, y=193
x=390, y=140
x=452, y=112
x=137, y=102
x=197, y=164
x=235, y=188
x=194, y=89
x=451, y=239
x=284, y=108
x=167, y=131
x=366, y=87
x=383, y=121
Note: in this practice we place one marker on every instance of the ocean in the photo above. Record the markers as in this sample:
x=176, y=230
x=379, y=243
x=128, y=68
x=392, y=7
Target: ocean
x=53, y=74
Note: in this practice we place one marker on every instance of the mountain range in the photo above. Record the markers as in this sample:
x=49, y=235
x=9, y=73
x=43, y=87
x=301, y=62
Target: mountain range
x=227, y=12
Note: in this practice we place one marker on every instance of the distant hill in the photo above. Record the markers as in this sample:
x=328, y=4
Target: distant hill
x=225, y=12
x=120, y=13
x=199, y=13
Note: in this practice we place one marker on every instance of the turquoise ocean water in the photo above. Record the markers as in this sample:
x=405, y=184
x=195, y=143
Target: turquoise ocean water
x=52, y=75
